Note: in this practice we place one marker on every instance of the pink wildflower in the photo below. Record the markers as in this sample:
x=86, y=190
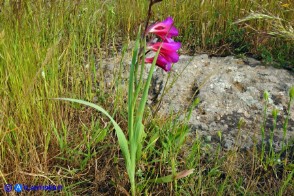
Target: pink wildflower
x=168, y=51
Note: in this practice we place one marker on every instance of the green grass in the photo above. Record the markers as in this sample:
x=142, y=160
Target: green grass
x=55, y=49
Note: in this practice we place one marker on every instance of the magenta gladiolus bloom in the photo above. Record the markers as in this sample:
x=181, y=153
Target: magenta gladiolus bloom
x=168, y=51
x=169, y=46
x=161, y=62
x=164, y=29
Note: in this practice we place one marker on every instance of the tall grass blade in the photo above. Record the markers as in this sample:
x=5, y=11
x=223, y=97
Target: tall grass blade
x=123, y=143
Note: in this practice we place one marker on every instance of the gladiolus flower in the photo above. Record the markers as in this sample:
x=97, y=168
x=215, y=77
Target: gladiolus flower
x=168, y=48
x=164, y=29
x=161, y=62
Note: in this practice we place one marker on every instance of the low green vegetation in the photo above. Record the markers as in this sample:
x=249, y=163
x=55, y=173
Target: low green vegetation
x=51, y=49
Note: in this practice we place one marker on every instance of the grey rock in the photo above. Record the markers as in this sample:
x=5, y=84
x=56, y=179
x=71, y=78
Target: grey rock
x=229, y=90
x=228, y=144
x=251, y=61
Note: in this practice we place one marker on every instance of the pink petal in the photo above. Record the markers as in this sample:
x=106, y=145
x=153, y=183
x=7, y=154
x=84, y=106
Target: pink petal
x=168, y=21
x=161, y=62
x=164, y=29
x=167, y=33
x=170, y=56
x=173, y=31
x=168, y=50
x=169, y=46
x=159, y=26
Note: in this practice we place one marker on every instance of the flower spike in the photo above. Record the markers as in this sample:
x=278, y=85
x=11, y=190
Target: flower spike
x=168, y=47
